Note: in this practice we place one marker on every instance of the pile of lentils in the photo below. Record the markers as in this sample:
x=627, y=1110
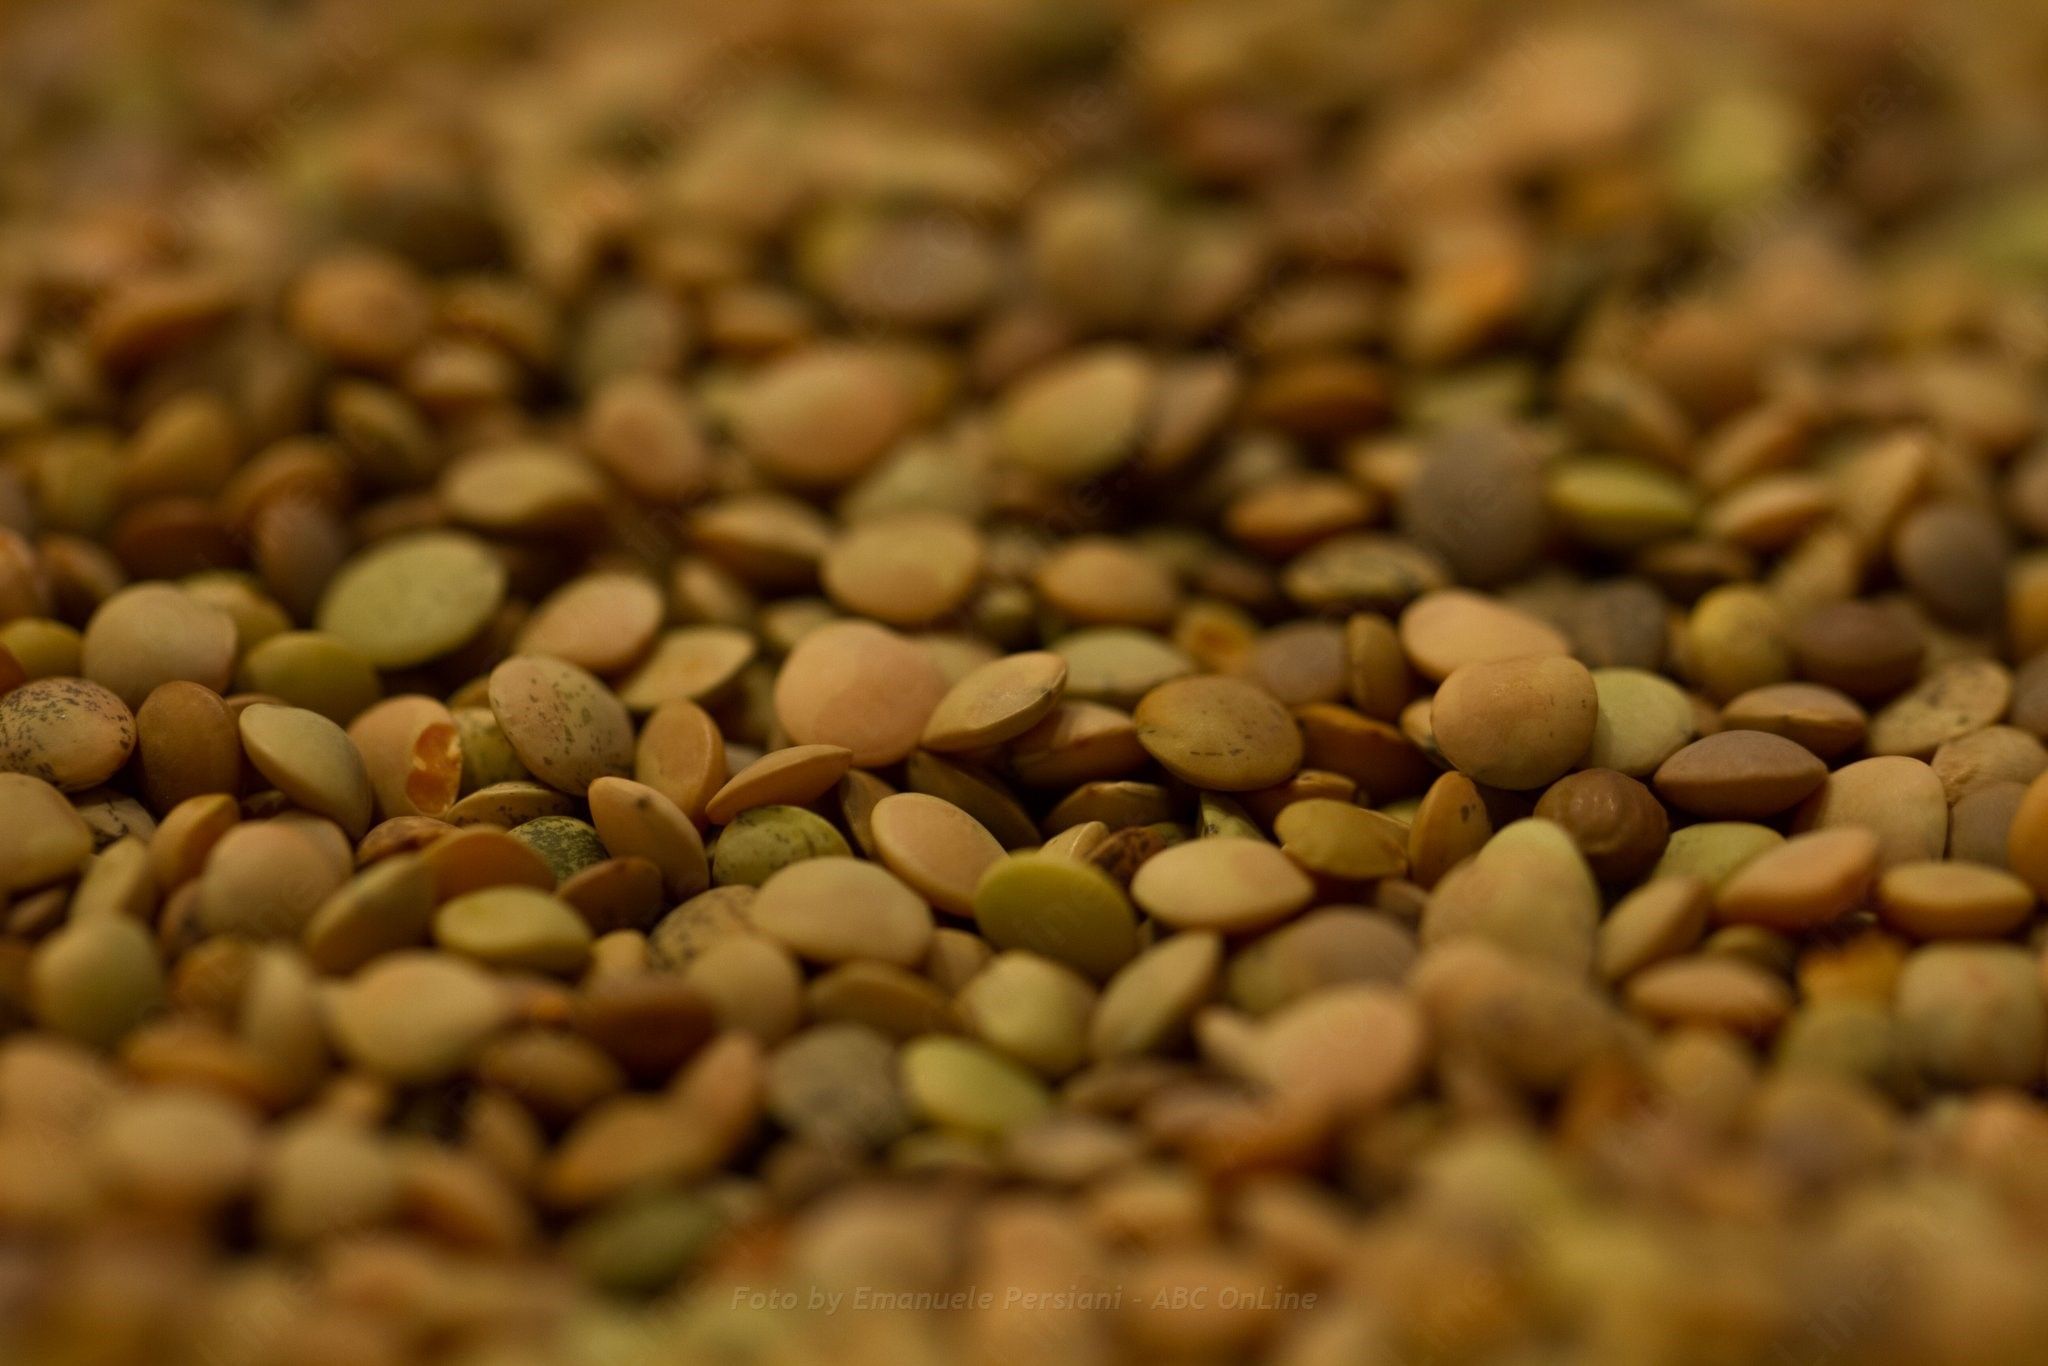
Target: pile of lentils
x=1012, y=681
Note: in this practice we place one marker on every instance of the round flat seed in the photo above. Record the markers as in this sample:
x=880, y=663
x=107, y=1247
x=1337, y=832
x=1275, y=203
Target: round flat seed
x=1229, y=885
x=1076, y=742
x=1517, y=723
x=264, y=880
x=857, y=799
x=1077, y=417
x=600, y=622
x=1824, y=720
x=386, y=907
x=1528, y=890
x=487, y=756
x=1326, y=947
x=1619, y=504
x=523, y=489
x=1071, y=912
x=1346, y=1050
x=681, y=755
x=1381, y=760
x=1376, y=677
x=152, y=633
x=1712, y=850
x=509, y=804
x=765, y=540
x=795, y=776
x=1145, y=1007
x=1995, y=754
x=1440, y=631
x=361, y=308
x=325, y=1178
x=933, y=845
x=1477, y=499
x=1644, y=719
x=566, y=726
x=1299, y=663
x=997, y=702
x=821, y=416
x=882, y=996
x=616, y=894
x=313, y=670
x=905, y=568
x=117, y=882
x=1953, y=554
x=1080, y=842
x=693, y=663
x=958, y=654
x=469, y=859
x=645, y=430
x=112, y=815
x=763, y=841
x=1953, y=700
x=1613, y=819
x=1219, y=733
x=186, y=744
x=958, y=1084
x=181, y=1152
x=416, y=1018
x=565, y=844
x=752, y=983
x=1972, y=1015
x=1118, y=805
x=1661, y=919
x=514, y=927
x=1869, y=650
x=1734, y=641
x=1899, y=798
x=1935, y=900
x=95, y=979
x=41, y=648
x=187, y=835
x=635, y=821
x=1118, y=665
x=1809, y=881
x=1099, y=581
x=66, y=731
x=1739, y=775
x=412, y=751
x=1450, y=825
x=860, y=686
x=2026, y=841
x=414, y=598
x=1980, y=825
x=836, y=1084
x=1363, y=572
x=311, y=761
x=835, y=909
x=1030, y=1008
x=1336, y=839
x=703, y=920
x=1714, y=990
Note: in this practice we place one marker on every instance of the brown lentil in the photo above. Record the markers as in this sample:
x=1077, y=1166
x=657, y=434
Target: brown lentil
x=861, y=686
x=1824, y=720
x=1739, y=775
x=1515, y=723
x=568, y=729
x=1618, y=825
x=1218, y=733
